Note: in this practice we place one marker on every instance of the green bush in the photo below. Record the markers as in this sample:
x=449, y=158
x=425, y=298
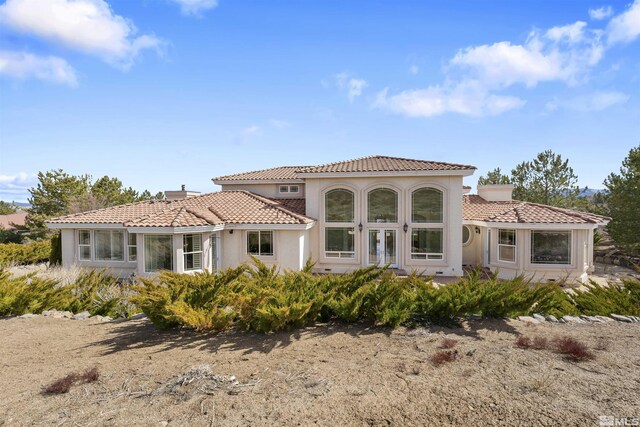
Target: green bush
x=25, y=253
x=604, y=300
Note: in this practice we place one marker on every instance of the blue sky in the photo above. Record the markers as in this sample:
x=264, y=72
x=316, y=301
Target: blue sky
x=166, y=92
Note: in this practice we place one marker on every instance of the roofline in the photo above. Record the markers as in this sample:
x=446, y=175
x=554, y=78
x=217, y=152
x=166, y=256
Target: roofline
x=533, y=226
x=409, y=173
x=258, y=181
x=184, y=230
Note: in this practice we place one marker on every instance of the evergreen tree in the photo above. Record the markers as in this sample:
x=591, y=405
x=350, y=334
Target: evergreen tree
x=494, y=177
x=624, y=202
x=7, y=208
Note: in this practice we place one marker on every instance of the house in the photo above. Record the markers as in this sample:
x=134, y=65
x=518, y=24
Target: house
x=13, y=220
x=413, y=215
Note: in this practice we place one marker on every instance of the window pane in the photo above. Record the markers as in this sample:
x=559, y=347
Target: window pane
x=266, y=243
x=253, y=242
x=85, y=253
x=109, y=245
x=85, y=237
x=132, y=239
x=426, y=240
x=339, y=206
x=426, y=205
x=339, y=239
x=133, y=253
x=284, y=189
x=382, y=205
x=158, y=253
x=507, y=237
x=294, y=189
x=192, y=242
x=507, y=253
x=549, y=247
x=466, y=234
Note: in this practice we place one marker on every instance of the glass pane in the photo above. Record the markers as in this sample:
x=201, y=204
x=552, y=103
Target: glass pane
x=549, y=247
x=382, y=205
x=507, y=237
x=188, y=261
x=426, y=205
x=374, y=244
x=132, y=239
x=85, y=237
x=266, y=243
x=284, y=189
x=253, y=242
x=133, y=253
x=390, y=247
x=109, y=245
x=466, y=234
x=158, y=253
x=192, y=243
x=85, y=252
x=339, y=206
x=426, y=240
x=214, y=246
x=294, y=189
x=339, y=239
x=507, y=253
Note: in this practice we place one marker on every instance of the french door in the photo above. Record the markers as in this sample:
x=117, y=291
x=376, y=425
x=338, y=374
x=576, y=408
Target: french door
x=383, y=247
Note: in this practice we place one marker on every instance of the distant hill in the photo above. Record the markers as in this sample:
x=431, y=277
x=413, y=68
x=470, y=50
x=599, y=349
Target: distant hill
x=590, y=192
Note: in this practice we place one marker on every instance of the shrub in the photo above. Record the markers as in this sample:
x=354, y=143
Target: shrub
x=25, y=253
x=448, y=343
x=539, y=343
x=523, y=341
x=572, y=349
x=441, y=357
x=64, y=384
x=31, y=294
x=605, y=300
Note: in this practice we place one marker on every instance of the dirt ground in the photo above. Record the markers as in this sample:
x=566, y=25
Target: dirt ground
x=327, y=375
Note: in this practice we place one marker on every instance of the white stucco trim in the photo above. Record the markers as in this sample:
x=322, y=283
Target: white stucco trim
x=258, y=181
x=527, y=226
x=346, y=175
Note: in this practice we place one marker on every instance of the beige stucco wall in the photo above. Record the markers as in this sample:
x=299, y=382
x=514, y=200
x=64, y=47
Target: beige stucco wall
x=268, y=190
x=451, y=186
x=472, y=251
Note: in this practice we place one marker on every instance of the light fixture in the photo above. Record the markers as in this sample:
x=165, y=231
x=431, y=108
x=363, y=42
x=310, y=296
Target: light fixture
x=360, y=227
x=477, y=230
x=405, y=227
x=230, y=231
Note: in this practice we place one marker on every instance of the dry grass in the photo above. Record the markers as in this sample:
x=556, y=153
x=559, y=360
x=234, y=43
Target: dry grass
x=63, y=275
x=448, y=343
x=572, y=349
x=441, y=357
x=64, y=384
x=540, y=343
x=523, y=341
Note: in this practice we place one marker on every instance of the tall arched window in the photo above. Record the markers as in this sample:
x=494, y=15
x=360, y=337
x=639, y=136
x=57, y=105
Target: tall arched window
x=339, y=211
x=339, y=206
x=382, y=205
x=427, y=206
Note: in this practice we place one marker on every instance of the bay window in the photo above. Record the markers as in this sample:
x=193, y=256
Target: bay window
x=427, y=243
x=192, y=251
x=507, y=245
x=551, y=247
x=260, y=243
x=108, y=245
x=158, y=252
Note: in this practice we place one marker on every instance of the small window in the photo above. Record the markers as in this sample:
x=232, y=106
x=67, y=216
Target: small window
x=84, y=245
x=551, y=247
x=158, y=253
x=427, y=243
x=132, y=248
x=339, y=242
x=289, y=189
x=507, y=245
x=108, y=245
x=192, y=251
x=284, y=188
x=466, y=235
x=260, y=243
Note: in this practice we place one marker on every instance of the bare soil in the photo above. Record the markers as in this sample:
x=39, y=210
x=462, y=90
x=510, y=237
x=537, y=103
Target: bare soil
x=327, y=375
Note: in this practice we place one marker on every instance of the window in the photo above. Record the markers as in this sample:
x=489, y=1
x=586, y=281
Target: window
x=108, y=245
x=507, y=245
x=466, y=235
x=132, y=249
x=339, y=242
x=260, y=243
x=84, y=245
x=551, y=247
x=339, y=206
x=158, y=253
x=289, y=189
x=426, y=206
x=192, y=251
x=382, y=205
x=427, y=243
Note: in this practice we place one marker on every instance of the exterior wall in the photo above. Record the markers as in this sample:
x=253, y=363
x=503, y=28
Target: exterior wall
x=268, y=190
x=451, y=186
x=472, y=251
x=581, y=257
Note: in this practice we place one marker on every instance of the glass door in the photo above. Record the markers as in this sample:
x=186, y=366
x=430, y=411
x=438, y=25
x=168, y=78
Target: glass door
x=383, y=247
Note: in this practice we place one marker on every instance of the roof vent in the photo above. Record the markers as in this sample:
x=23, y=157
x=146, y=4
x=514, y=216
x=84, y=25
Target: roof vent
x=496, y=192
x=179, y=195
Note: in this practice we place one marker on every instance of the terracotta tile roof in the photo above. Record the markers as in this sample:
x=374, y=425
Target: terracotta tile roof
x=475, y=207
x=225, y=207
x=279, y=173
x=384, y=164
x=9, y=221
x=294, y=205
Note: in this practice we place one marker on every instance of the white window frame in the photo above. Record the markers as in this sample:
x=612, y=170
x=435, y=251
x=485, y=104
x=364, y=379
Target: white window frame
x=514, y=246
x=289, y=189
x=194, y=253
x=130, y=246
x=124, y=245
x=89, y=245
x=340, y=254
x=426, y=256
x=260, y=254
x=344, y=257
x=564, y=265
x=470, y=239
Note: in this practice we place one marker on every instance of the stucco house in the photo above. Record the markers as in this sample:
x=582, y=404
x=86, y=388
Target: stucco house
x=410, y=214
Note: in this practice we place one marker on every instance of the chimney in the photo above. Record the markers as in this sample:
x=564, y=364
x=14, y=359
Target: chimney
x=496, y=192
x=179, y=195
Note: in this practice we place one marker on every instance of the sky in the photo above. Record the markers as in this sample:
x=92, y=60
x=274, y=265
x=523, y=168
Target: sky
x=160, y=93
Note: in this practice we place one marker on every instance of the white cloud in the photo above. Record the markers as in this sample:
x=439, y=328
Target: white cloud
x=468, y=98
x=195, y=7
x=600, y=13
x=25, y=65
x=596, y=101
x=280, y=124
x=353, y=86
x=572, y=33
x=251, y=130
x=414, y=69
x=88, y=26
x=16, y=187
x=625, y=27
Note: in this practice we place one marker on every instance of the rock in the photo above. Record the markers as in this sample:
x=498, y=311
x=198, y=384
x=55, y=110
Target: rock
x=471, y=352
x=604, y=318
x=163, y=423
x=621, y=318
x=573, y=319
x=528, y=319
x=551, y=318
x=102, y=318
x=82, y=316
x=28, y=316
x=591, y=319
x=138, y=316
x=57, y=314
x=539, y=317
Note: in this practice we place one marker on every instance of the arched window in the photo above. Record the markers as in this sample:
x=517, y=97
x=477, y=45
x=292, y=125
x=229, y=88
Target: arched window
x=382, y=205
x=427, y=206
x=339, y=206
